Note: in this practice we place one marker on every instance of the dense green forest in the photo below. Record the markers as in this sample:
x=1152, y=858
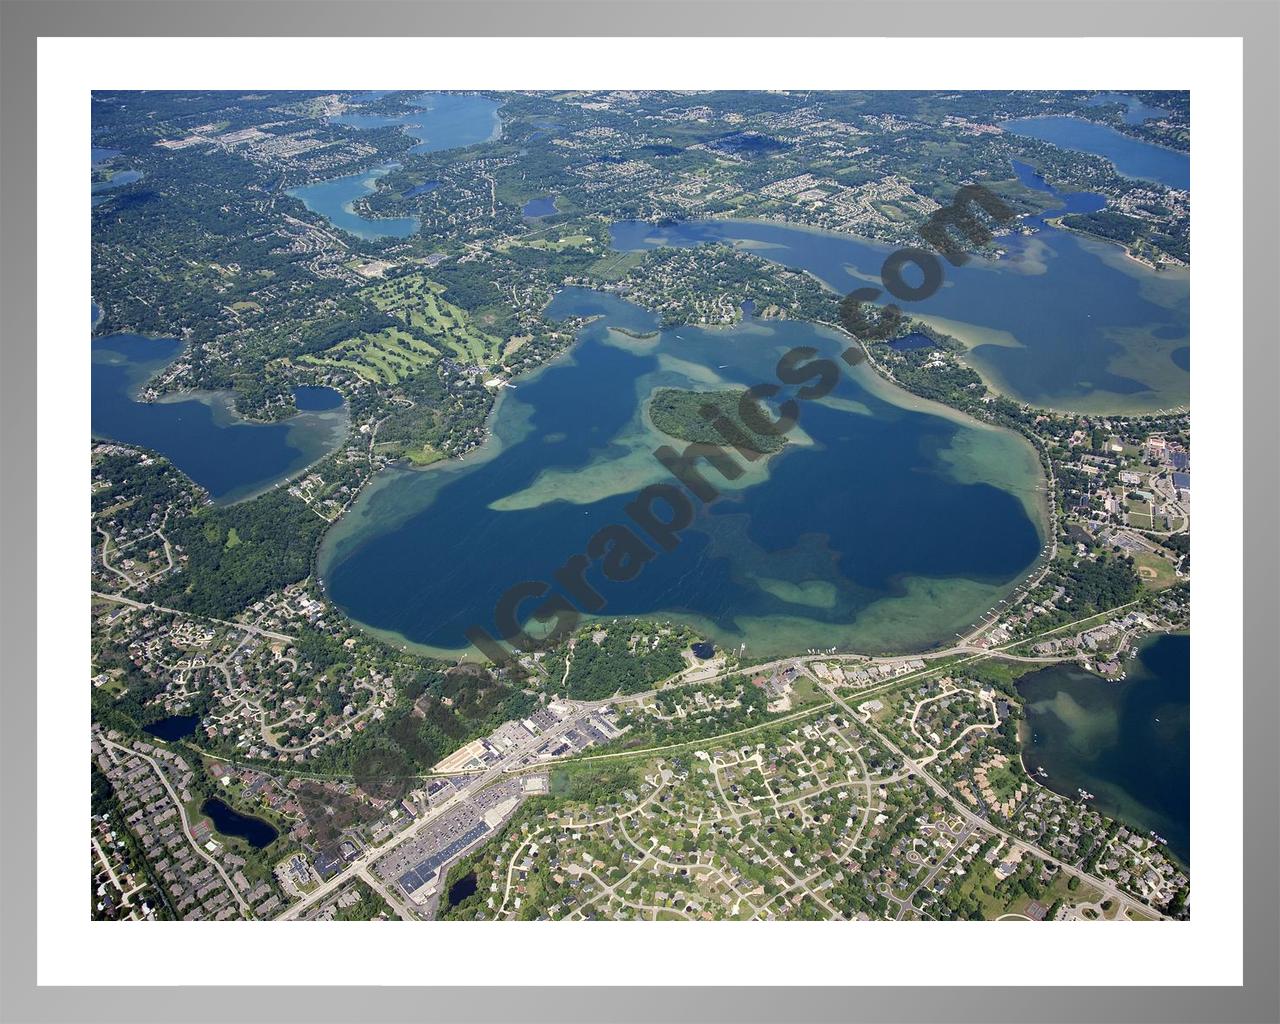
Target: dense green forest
x=240, y=553
x=630, y=658
x=1102, y=583
x=692, y=416
x=1130, y=231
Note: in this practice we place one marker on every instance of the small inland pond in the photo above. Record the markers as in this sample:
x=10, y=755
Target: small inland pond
x=230, y=822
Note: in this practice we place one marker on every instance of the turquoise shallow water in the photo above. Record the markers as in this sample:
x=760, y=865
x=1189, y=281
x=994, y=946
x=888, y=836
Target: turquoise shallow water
x=882, y=525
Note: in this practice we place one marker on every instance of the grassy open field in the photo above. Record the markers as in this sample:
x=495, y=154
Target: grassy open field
x=1139, y=514
x=614, y=266
x=390, y=355
x=383, y=358
x=419, y=302
x=556, y=245
x=1156, y=572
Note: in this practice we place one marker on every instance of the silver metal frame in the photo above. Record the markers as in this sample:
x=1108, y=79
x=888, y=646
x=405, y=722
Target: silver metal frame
x=23, y=21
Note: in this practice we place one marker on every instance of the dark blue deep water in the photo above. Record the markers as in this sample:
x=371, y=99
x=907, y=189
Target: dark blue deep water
x=118, y=180
x=911, y=342
x=230, y=822
x=175, y=727
x=837, y=526
x=423, y=189
x=1128, y=743
x=202, y=435
x=316, y=399
x=462, y=888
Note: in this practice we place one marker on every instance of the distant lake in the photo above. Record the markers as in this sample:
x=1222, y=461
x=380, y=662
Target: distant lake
x=334, y=199
x=544, y=129
x=175, y=727
x=117, y=180
x=230, y=822
x=1136, y=112
x=438, y=120
x=201, y=433
x=1063, y=321
x=887, y=523
x=418, y=190
x=1128, y=742
x=1131, y=157
x=543, y=207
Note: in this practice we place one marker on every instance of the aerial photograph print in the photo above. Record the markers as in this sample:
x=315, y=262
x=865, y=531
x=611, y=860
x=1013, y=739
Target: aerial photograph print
x=640, y=505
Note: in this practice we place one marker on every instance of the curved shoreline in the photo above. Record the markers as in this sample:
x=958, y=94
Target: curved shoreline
x=1038, y=510
x=1107, y=403
x=1100, y=124
x=224, y=415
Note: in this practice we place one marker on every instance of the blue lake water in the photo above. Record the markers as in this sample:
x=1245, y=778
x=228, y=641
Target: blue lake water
x=1068, y=202
x=201, y=434
x=312, y=398
x=463, y=888
x=543, y=130
x=1131, y=157
x=333, y=200
x=175, y=727
x=99, y=189
x=1128, y=743
x=544, y=206
x=1135, y=112
x=230, y=822
x=911, y=342
x=418, y=190
x=117, y=180
x=439, y=121
x=887, y=523
x=1063, y=321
